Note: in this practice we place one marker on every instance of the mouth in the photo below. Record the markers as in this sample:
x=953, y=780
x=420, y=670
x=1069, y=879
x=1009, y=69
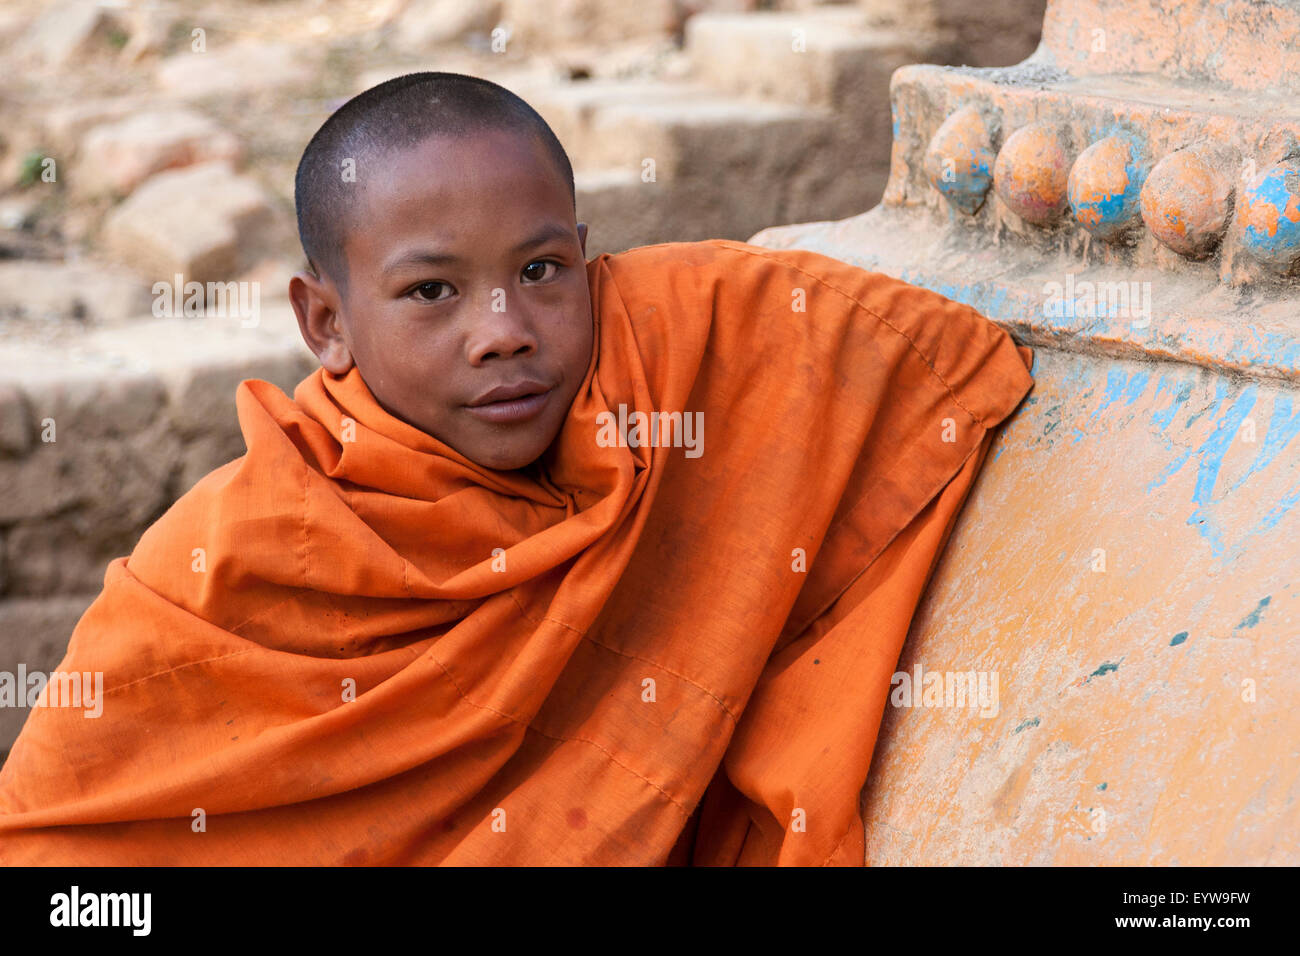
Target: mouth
x=507, y=404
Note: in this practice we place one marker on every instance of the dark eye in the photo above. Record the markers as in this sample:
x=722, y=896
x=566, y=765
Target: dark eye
x=429, y=291
x=537, y=271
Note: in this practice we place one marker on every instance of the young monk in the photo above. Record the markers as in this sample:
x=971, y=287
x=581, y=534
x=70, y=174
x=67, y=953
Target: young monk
x=550, y=562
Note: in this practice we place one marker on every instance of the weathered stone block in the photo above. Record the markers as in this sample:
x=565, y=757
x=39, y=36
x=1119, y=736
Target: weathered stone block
x=63, y=124
x=36, y=486
x=541, y=26
x=15, y=425
x=68, y=30
x=118, y=156
x=830, y=58
x=251, y=67
x=429, y=23
x=84, y=291
x=87, y=418
x=202, y=222
x=55, y=556
x=88, y=408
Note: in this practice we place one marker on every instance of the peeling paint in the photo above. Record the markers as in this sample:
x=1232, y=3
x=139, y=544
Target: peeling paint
x=1106, y=668
x=1282, y=427
x=1251, y=619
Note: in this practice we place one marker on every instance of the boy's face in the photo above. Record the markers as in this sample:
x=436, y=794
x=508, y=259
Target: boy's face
x=466, y=308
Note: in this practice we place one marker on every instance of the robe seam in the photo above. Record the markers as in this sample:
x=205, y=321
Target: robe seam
x=645, y=660
x=831, y=856
x=136, y=579
x=174, y=668
x=668, y=670
x=880, y=318
x=927, y=500
x=306, y=531
x=237, y=629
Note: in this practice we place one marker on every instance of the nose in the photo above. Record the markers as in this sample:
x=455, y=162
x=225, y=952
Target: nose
x=503, y=333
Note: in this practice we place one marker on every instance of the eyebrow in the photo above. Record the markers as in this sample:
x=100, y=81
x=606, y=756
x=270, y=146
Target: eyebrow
x=425, y=257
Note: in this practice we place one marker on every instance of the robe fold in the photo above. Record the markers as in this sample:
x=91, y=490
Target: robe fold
x=352, y=645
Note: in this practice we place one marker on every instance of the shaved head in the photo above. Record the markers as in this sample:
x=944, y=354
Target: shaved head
x=397, y=115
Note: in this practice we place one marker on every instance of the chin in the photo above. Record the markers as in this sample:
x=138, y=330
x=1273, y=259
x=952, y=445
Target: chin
x=506, y=460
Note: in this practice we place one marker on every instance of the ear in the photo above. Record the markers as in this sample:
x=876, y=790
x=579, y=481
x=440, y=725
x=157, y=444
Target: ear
x=582, y=236
x=316, y=303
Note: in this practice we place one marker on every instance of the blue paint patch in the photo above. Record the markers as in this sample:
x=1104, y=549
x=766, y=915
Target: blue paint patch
x=1024, y=724
x=1244, y=348
x=1282, y=427
x=970, y=183
x=1277, y=189
x=1221, y=389
x=994, y=301
x=1109, y=214
x=1251, y=619
x=1271, y=348
x=1212, y=453
x=1169, y=469
x=1275, y=514
x=1163, y=417
x=1116, y=382
x=1178, y=639
x=1102, y=785
x=1136, y=386
x=1213, y=450
x=1106, y=668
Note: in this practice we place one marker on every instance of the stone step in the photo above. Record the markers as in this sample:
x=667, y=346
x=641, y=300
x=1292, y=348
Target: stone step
x=619, y=208
x=657, y=160
x=683, y=127
x=1248, y=46
x=98, y=437
x=831, y=58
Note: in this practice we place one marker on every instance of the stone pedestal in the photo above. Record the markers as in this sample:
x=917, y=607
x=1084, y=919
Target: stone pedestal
x=1127, y=202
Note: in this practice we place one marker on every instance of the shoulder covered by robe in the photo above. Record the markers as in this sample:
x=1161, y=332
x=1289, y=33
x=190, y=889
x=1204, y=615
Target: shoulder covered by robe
x=354, y=646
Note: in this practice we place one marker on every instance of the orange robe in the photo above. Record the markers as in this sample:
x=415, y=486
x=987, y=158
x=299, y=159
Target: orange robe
x=624, y=655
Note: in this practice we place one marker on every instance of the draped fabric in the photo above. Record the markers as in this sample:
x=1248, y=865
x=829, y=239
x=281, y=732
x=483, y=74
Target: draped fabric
x=354, y=646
